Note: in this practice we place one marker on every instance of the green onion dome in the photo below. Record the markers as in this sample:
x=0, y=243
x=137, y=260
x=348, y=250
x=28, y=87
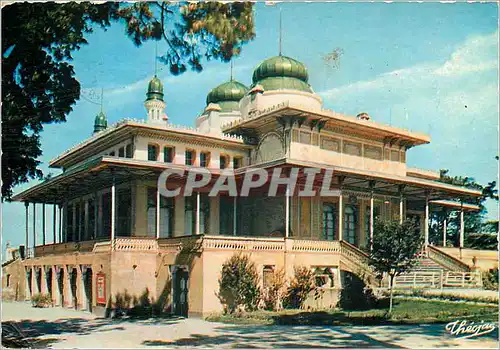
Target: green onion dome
x=100, y=122
x=281, y=72
x=155, y=89
x=227, y=95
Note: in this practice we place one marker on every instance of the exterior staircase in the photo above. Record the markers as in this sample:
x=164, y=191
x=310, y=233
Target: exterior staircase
x=435, y=269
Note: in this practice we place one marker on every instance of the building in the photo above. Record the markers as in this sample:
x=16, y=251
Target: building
x=115, y=234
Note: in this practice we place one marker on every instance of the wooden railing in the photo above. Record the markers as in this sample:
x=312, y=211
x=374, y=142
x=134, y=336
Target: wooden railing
x=438, y=279
x=447, y=261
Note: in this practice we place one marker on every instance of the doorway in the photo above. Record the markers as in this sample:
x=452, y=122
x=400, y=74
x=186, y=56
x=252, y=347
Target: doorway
x=87, y=283
x=60, y=285
x=180, y=291
x=73, y=281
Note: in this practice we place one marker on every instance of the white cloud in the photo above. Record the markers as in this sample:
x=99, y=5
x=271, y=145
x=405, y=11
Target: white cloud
x=455, y=101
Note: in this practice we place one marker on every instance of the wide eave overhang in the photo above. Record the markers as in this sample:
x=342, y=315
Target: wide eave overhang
x=329, y=119
x=128, y=129
x=99, y=173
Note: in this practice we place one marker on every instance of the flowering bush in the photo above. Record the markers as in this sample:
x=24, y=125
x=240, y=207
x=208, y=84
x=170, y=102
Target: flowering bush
x=41, y=300
x=299, y=288
x=239, y=284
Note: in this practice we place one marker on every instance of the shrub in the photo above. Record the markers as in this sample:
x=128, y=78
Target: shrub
x=239, y=284
x=41, y=300
x=355, y=295
x=490, y=279
x=299, y=288
x=273, y=293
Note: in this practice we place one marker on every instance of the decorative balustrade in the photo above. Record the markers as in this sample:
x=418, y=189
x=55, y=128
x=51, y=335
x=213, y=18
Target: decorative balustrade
x=130, y=244
x=446, y=260
x=439, y=279
x=243, y=243
x=62, y=248
x=299, y=245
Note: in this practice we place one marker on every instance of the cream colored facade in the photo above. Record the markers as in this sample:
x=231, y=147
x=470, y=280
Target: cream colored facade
x=112, y=221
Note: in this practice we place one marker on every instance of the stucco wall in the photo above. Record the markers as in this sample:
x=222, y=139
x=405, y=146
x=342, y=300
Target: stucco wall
x=486, y=259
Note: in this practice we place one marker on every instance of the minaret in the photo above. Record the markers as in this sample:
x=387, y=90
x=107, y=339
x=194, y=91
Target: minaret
x=154, y=102
x=100, y=122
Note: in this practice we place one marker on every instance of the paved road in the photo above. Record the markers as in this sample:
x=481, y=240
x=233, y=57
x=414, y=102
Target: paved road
x=61, y=328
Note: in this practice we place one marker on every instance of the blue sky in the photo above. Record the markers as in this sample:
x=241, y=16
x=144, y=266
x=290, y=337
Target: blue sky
x=427, y=67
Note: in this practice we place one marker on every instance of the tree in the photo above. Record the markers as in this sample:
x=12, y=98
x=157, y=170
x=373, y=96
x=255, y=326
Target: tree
x=474, y=221
x=239, y=284
x=38, y=39
x=395, y=248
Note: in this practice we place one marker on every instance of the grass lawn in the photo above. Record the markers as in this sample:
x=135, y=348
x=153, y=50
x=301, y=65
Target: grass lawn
x=405, y=311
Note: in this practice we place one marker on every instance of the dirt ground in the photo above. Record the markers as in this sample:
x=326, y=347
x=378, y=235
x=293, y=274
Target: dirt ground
x=62, y=328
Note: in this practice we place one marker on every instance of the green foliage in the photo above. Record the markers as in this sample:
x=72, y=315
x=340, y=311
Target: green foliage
x=38, y=39
x=474, y=221
x=299, y=288
x=272, y=294
x=41, y=300
x=395, y=247
x=488, y=241
x=355, y=294
x=490, y=279
x=239, y=284
x=406, y=311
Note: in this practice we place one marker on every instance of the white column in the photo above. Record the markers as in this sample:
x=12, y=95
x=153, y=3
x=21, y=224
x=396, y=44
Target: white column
x=445, y=229
x=401, y=202
x=341, y=216
x=197, y=222
x=26, y=247
x=287, y=212
x=235, y=220
x=113, y=204
x=371, y=221
x=43, y=224
x=54, y=219
x=462, y=227
x=157, y=213
x=426, y=228
x=34, y=228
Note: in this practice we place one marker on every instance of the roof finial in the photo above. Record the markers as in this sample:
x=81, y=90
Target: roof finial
x=280, y=34
x=156, y=57
x=231, y=70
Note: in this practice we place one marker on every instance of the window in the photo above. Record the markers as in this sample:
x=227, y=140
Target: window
x=237, y=161
x=324, y=277
x=168, y=154
x=153, y=152
x=204, y=213
x=267, y=276
x=124, y=212
x=189, y=157
x=121, y=152
x=129, y=151
x=329, y=222
x=166, y=217
x=223, y=161
x=350, y=224
x=78, y=223
x=151, y=211
x=189, y=215
x=106, y=215
x=69, y=223
x=226, y=215
x=91, y=214
x=8, y=281
x=204, y=159
x=112, y=153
